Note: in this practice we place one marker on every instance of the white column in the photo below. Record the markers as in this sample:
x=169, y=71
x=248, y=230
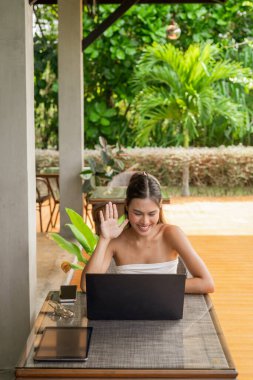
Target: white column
x=17, y=180
x=70, y=72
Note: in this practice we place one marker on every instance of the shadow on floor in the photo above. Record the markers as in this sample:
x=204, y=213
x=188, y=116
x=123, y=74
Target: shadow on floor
x=50, y=276
x=7, y=374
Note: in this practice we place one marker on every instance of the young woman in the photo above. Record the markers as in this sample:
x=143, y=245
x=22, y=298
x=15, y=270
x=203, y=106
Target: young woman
x=144, y=242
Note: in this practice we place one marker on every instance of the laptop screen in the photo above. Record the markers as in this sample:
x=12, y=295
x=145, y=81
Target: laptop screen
x=135, y=296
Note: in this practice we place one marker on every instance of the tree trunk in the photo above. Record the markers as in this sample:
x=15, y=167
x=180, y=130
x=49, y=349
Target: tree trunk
x=185, y=173
x=185, y=179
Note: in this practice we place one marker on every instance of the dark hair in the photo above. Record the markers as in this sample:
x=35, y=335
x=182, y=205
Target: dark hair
x=143, y=185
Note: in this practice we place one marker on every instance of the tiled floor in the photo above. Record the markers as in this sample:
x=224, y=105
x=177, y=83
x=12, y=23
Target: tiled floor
x=214, y=217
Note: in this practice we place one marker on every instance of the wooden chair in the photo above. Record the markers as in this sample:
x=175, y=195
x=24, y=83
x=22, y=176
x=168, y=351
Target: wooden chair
x=43, y=198
x=53, y=182
x=87, y=211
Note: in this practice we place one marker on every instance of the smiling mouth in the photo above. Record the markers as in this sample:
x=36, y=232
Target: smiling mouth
x=143, y=228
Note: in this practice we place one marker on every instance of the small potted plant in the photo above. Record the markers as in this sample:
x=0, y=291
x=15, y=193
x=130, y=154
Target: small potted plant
x=102, y=172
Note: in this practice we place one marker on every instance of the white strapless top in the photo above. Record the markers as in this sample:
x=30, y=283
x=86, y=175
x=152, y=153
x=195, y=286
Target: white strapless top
x=169, y=267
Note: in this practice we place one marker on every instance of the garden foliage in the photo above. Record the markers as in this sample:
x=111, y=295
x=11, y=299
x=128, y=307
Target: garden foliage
x=110, y=61
x=178, y=98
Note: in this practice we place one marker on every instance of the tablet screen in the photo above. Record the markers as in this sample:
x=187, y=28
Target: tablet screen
x=64, y=343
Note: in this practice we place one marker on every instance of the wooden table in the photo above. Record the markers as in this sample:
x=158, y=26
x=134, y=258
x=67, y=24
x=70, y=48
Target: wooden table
x=104, y=194
x=191, y=348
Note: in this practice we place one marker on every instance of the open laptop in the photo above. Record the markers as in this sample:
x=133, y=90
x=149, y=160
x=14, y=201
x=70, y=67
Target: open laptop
x=135, y=296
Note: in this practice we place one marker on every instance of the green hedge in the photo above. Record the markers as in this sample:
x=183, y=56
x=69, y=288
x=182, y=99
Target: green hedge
x=224, y=166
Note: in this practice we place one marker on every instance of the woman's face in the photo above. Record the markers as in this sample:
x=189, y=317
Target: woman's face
x=143, y=215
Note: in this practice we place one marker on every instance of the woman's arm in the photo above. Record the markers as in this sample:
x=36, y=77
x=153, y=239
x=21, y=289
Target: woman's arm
x=202, y=281
x=110, y=229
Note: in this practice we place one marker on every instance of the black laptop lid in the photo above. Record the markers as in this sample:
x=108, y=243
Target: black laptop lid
x=135, y=296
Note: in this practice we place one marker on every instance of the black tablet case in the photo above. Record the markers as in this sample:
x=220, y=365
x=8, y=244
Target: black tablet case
x=64, y=344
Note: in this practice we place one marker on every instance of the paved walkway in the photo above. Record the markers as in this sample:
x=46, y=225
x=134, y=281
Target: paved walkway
x=217, y=216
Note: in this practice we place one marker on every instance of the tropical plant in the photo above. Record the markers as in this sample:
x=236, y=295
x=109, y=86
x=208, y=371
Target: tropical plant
x=110, y=61
x=243, y=53
x=45, y=76
x=99, y=173
x=86, y=241
x=180, y=89
x=176, y=92
x=83, y=235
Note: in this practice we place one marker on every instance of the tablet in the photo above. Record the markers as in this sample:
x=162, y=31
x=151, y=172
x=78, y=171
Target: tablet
x=64, y=343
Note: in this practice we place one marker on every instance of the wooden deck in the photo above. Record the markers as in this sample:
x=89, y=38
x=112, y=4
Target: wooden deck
x=230, y=260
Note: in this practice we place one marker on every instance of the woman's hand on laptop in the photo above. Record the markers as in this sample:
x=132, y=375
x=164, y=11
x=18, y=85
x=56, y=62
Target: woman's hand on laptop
x=110, y=229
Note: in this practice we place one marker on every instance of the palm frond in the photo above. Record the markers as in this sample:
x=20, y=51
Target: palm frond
x=163, y=76
x=225, y=70
x=176, y=88
x=169, y=55
x=230, y=110
x=205, y=103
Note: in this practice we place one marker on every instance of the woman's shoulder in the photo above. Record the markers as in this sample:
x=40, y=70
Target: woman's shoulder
x=172, y=232
x=171, y=229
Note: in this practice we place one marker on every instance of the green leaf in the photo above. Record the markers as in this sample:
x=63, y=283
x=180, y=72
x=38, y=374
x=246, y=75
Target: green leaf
x=95, y=54
x=68, y=246
x=88, y=185
x=130, y=51
x=120, y=54
x=110, y=112
x=92, y=164
x=121, y=219
x=104, y=121
x=86, y=171
x=100, y=107
x=102, y=142
x=80, y=238
x=79, y=223
x=77, y=266
x=55, y=87
x=93, y=116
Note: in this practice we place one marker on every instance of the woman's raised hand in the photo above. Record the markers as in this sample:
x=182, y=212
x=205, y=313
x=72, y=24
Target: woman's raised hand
x=110, y=229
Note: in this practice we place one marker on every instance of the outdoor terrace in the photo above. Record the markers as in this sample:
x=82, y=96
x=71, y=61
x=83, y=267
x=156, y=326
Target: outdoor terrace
x=221, y=230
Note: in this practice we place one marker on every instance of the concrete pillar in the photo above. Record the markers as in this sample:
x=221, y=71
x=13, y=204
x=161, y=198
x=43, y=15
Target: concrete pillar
x=17, y=180
x=70, y=73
